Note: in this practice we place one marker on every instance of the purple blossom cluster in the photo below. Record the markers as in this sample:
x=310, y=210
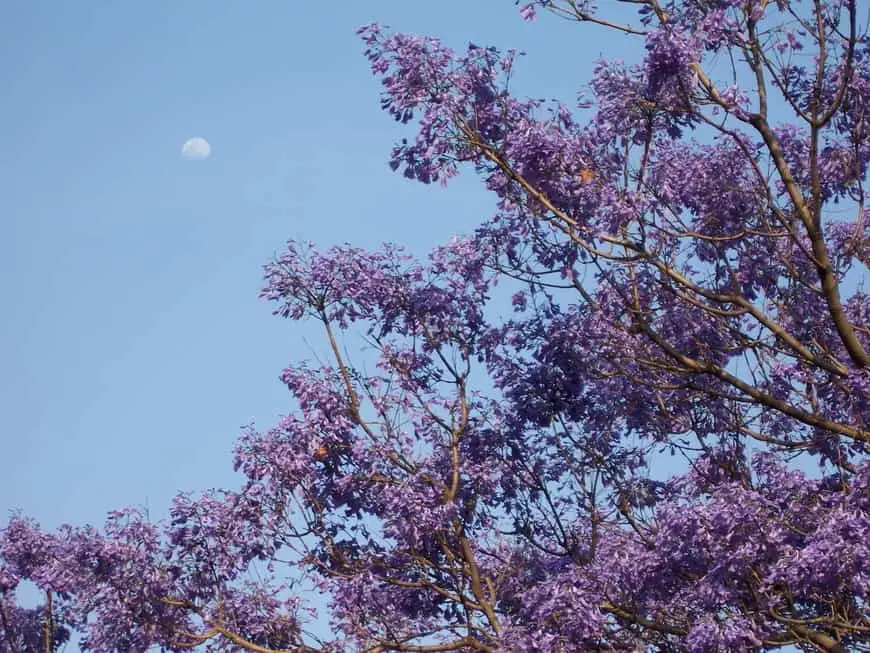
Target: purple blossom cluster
x=681, y=271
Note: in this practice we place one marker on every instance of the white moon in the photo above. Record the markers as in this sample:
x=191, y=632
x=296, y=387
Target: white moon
x=196, y=149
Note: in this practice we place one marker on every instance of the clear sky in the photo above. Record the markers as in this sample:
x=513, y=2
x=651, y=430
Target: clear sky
x=133, y=346
x=132, y=342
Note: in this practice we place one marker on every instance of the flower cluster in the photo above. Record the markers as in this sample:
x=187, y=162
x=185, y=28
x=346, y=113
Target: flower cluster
x=487, y=472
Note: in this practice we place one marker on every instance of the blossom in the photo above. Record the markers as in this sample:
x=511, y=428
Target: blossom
x=668, y=276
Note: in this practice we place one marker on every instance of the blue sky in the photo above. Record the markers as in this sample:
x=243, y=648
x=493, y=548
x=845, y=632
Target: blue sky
x=133, y=343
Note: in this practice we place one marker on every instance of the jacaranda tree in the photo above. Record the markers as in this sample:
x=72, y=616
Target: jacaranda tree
x=685, y=252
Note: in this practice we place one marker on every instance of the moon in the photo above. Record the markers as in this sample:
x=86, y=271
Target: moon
x=196, y=149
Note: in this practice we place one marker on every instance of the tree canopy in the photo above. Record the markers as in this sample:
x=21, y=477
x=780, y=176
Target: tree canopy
x=684, y=252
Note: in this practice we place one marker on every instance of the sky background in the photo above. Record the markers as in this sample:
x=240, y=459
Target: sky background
x=132, y=339
x=133, y=344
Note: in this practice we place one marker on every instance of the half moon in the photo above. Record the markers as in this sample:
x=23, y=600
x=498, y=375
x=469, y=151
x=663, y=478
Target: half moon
x=196, y=149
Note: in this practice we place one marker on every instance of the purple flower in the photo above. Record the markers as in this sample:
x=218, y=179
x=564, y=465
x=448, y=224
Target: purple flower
x=629, y=411
x=527, y=12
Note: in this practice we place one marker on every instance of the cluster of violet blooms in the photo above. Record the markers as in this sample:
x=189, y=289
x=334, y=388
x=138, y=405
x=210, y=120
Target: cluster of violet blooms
x=686, y=265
